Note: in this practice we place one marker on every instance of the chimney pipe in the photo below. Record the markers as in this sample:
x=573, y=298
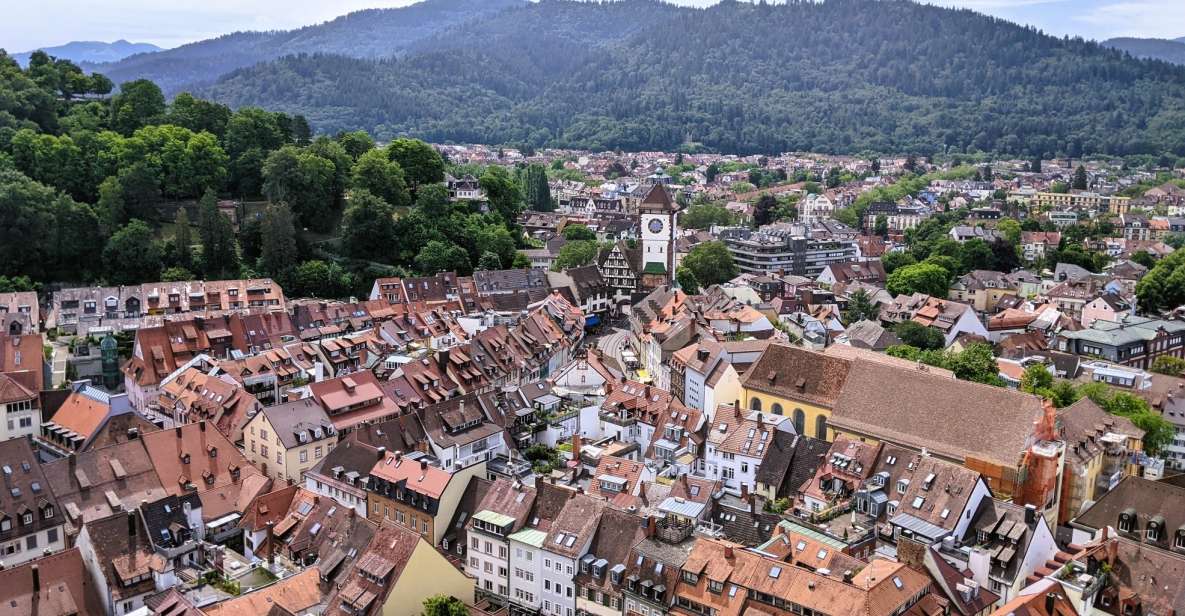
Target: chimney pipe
x=423, y=465
x=1050, y=603
x=177, y=431
x=131, y=523
x=202, y=425
x=382, y=452
x=36, y=582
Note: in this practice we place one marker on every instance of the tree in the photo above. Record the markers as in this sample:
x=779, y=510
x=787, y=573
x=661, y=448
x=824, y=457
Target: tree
x=377, y=173
x=495, y=239
x=1035, y=164
x=1163, y=287
x=926, y=278
x=764, y=210
x=897, y=259
x=301, y=131
x=421, y=163
x=881, y=227
x=441, y=605
x=437, y=256
x=320, y=279
x=489, y=262
x=182, y=241
x=575, y=254
x=976, y=363
x=1036, y=379
x=1010, y=229
x=219, y=257
x=1158, y=432
x=918, y=335
x=711, y=262
x=368, y=226
x=705, y=216
x=251, y=238
x=537, y=191
x=131, y=256
x=975, y=254
x=1145, y=258
x=1167, y=364
x=861, y=307
x=111, y=206
x=503, y=194
x=1080, y=179
x=278, y=254
x=304, y=181
x=356, y=143
x=176, y=274
x=575, y=232
x=432, y=202
x=139, y=103
x=687, y=280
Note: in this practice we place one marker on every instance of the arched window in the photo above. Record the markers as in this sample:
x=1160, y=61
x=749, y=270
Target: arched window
x=776, y=409
x=799, y=421
x=755, y=404
x=821, y=427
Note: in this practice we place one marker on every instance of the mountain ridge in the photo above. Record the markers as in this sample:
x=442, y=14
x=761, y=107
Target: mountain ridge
x=883, y=76
x=369, y=33
x=1168, y=50
x=89, y=51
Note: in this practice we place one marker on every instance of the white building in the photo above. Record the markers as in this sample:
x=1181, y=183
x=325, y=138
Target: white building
x=738, y=441
x=526, y=575
x=815, y=208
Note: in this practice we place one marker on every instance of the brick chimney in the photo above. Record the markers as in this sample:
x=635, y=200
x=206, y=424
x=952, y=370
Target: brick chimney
x=745, y=492
x=728, y=553
x=576, y=443
x=651, y=526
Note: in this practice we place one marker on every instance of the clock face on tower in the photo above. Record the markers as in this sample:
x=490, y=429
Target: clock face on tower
x=655, y=225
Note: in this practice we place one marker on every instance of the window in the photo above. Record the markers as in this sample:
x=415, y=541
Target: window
x=1126, y=522
x=31, y=542
x=317, y=452
x=799, y=421
x=304, y=456
x=1179, y=540
x=776, y=409
x=475, y=543
x=755, y=404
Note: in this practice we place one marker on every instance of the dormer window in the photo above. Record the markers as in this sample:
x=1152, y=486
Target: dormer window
x=1127, y=521
x=1155, y=529
x=1179, y=539
x=902, y=486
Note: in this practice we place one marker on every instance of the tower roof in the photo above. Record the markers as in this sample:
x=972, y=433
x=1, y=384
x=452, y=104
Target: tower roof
x=658, y=199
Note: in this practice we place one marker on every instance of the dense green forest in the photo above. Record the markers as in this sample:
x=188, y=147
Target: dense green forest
x=125, y=188
x=836, y=76
x=373, y=33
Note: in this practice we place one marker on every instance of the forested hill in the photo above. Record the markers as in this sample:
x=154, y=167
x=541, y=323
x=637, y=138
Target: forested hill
x=374, y=33
x=1157, y=49
x=840, y=76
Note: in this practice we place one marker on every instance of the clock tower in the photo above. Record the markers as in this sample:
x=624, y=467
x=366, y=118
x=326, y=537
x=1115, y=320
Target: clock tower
x=657, y=213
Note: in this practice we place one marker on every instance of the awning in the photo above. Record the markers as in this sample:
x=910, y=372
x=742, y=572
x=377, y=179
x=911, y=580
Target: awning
x=592, y=320
x=643, y=376
x=226, y=519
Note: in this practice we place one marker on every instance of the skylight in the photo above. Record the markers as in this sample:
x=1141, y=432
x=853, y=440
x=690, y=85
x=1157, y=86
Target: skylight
x=917, y=502
x=774, y=572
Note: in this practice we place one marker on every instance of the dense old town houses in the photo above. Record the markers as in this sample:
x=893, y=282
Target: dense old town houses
x=31, y=522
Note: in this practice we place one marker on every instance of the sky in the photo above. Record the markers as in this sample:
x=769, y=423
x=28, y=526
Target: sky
x=29, y=25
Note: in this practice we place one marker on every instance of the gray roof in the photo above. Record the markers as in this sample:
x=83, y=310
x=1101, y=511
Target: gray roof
x=297, y=420
x=1129, y=330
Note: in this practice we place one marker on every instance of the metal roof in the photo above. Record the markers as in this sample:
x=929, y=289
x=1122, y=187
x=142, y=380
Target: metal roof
x=530, y=536
x=682, y=507
x=493, y=517
x=919, y=526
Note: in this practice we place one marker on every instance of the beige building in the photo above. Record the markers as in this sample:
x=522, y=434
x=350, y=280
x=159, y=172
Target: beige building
x=1083, y=201
x=288, y=439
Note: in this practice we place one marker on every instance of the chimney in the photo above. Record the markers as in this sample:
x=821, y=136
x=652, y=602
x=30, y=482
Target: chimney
x=131, y=524
x=847, y=576
x=1050, y=603
x=36, y=571
x=728, y=555
x=177, y=431
x=73, y=462
x=651, y=526
x=382, y=452
x=576, y=447
x=423, y=465
x=271, y=544
x=202, y=425
x=1030, y=514
x=736, y=411
x=133, y=434
x=745, y=492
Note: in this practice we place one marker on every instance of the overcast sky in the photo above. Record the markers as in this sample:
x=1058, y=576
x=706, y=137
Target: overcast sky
x=42, y=23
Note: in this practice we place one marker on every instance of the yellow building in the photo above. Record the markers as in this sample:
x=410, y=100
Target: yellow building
x=287, y=439
x=796, y=383
x=396, y=573
x=1084, y=201
x=1098, y=453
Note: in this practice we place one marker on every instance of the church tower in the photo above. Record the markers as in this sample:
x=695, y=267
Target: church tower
x=657, y=212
